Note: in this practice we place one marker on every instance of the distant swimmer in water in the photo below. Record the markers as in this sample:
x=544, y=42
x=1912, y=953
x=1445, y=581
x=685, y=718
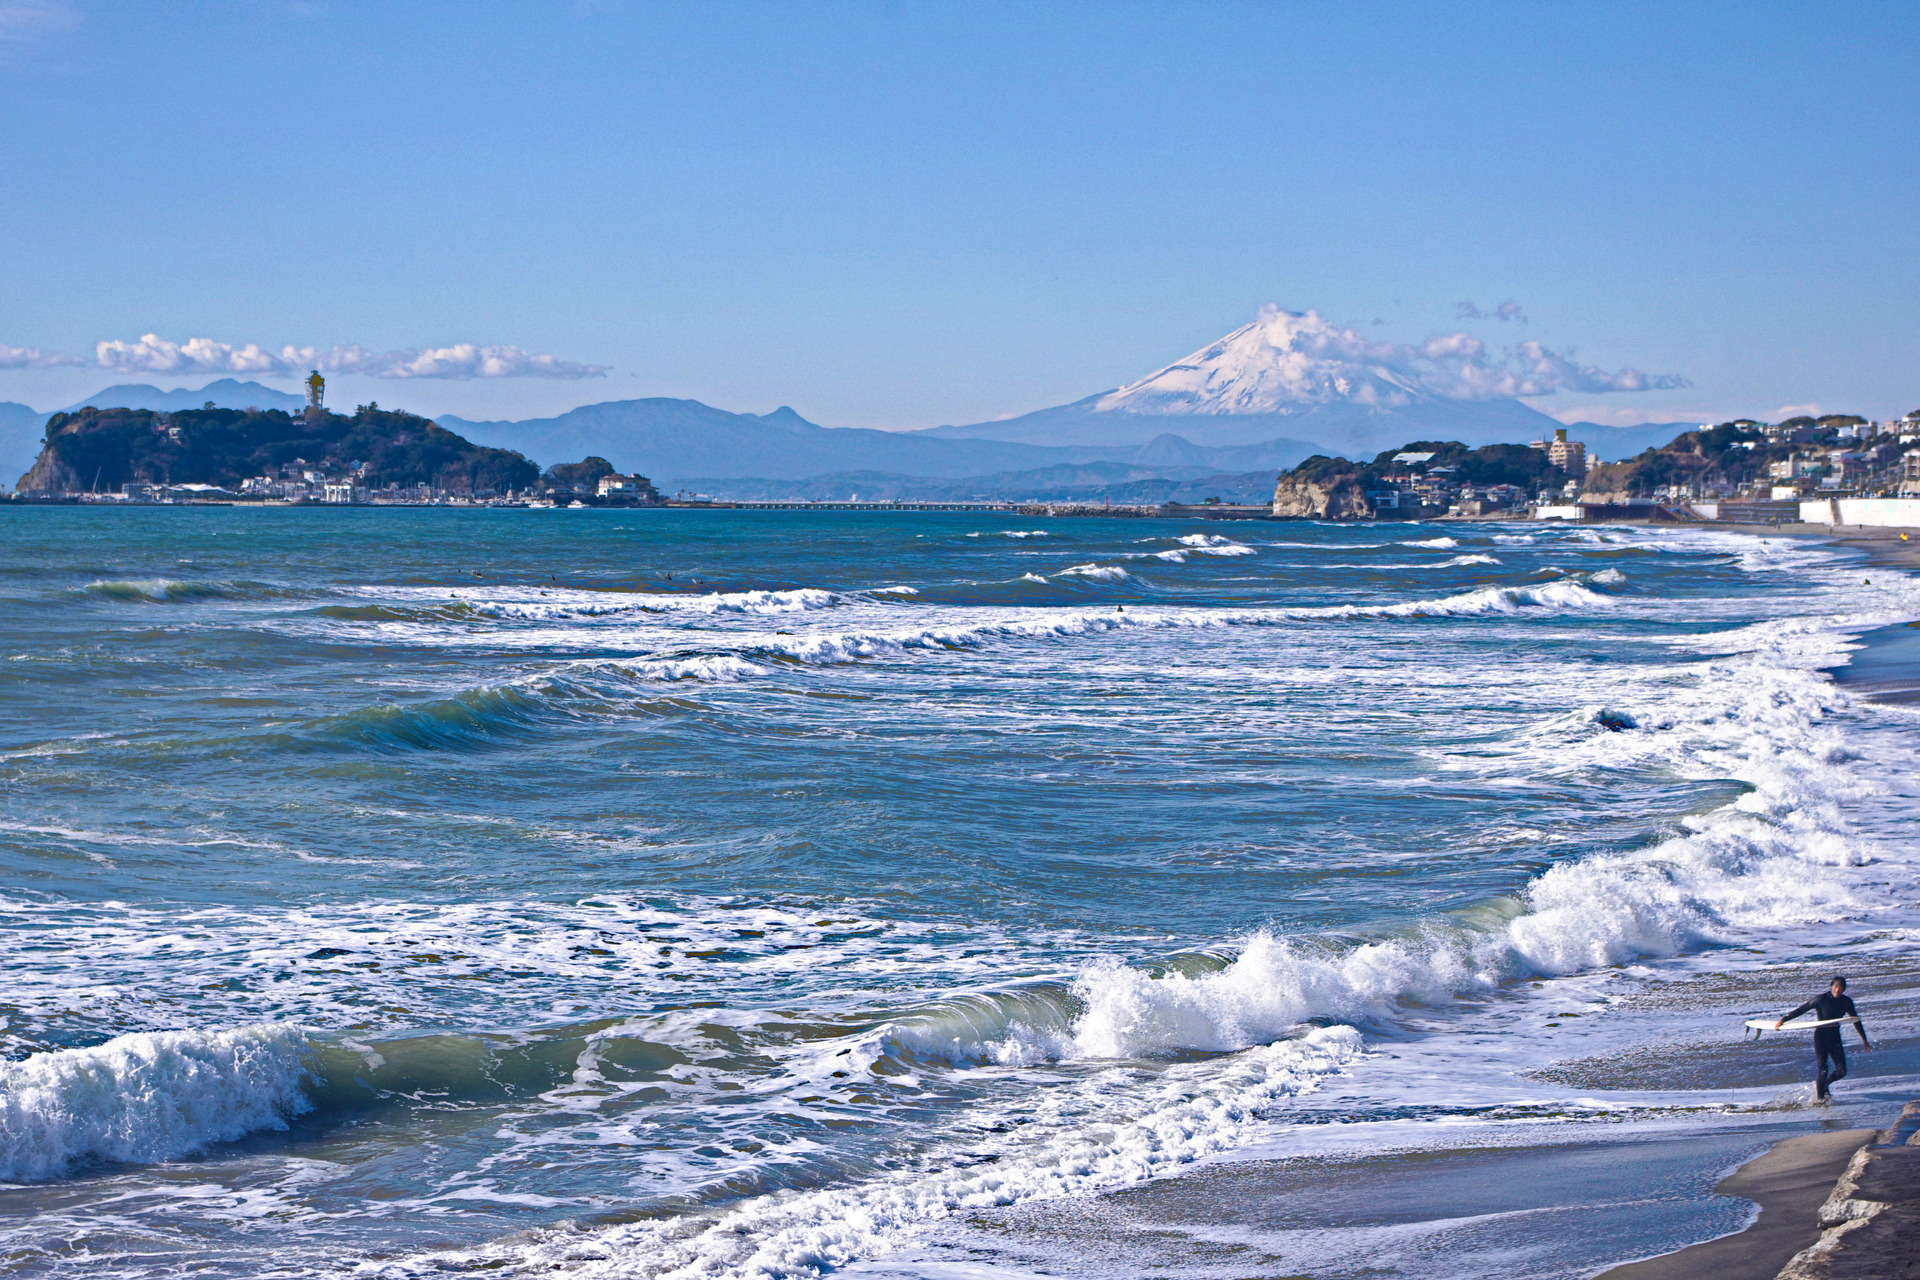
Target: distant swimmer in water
x=1830, y=1005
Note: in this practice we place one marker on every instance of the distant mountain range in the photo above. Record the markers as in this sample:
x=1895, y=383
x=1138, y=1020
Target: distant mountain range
x=1263, y=398
x=679, y=441
x=20, y=428
x=1294, y=376
x=1353, y=430
x=227, y=393
x=1090, y=482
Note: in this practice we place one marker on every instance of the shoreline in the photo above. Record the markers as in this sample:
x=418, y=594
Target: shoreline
x=1788, y=1182
x=1884, y=548
x=1587, y=1202
x=1886, y=668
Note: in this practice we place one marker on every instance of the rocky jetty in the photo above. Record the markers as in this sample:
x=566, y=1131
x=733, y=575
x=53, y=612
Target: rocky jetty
x=1869, y=1225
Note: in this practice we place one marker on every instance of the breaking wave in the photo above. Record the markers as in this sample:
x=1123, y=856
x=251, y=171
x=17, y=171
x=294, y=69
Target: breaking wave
x=147, y=1097
x=1214, y=545
x=183, y=591
x=588, y=604
x=1098, y=572
x=494, y=716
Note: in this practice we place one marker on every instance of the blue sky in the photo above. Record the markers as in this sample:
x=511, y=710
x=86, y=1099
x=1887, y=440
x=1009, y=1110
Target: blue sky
x=902, y=214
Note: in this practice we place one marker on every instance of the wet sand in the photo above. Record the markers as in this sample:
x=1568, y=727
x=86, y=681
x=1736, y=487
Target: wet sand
x=1569, y=1209
x=1789, y=1183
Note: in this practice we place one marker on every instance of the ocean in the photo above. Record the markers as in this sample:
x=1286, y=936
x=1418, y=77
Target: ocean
x=390, y=892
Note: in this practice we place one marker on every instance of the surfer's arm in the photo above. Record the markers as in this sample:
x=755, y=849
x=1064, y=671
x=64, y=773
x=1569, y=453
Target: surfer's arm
x=1859, y=1026
x=1796, y=1013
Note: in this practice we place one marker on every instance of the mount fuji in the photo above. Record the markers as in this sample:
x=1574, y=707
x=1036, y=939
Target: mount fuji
x=1296, y=376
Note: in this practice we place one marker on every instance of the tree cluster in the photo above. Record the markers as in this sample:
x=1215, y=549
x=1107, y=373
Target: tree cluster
x=1493, y=464
x=580, y=481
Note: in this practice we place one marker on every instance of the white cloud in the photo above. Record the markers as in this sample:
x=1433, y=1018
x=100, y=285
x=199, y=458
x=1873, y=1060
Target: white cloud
x=154, y=354
x=462, y=360
x=1508, y=310
x=1559, y=371
x=35, y=358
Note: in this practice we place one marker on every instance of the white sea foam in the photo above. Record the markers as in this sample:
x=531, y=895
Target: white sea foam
x=715, y=668
x=1438, y=544
x=1091, y=1138
x=832, y=648
x=1099, y=572
x=1215, y=545
x=147, y=1097
x=1455, y=561
x=562, y=603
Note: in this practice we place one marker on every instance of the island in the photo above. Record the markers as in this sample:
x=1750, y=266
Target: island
x=123, y=450
x=268, y=455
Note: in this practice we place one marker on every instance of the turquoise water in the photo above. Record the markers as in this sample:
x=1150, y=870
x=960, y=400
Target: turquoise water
x=755, y=891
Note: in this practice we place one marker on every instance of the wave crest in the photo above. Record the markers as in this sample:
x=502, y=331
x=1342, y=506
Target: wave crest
x=147, y=1097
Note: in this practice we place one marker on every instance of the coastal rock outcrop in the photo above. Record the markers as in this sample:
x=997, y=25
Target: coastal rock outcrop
x=1334, y=489
x=1869, y=1223
x=50, y=473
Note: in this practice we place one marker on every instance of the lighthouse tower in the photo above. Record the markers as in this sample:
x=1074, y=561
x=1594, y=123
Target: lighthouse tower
x=316, y=392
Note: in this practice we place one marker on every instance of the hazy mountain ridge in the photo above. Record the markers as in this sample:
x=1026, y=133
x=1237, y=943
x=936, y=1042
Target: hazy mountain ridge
x=227, y=393
x=1325, y=428
x=1265, y=396
x=1091, y=482
x=679, y=441
x=1298, y=376
x=20, y=427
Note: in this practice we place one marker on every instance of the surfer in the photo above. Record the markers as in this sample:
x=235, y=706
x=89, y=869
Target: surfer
x=1830, y=1006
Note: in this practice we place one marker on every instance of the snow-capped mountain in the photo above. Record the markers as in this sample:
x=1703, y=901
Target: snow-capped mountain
x=1279, y=362
x=1299, y=377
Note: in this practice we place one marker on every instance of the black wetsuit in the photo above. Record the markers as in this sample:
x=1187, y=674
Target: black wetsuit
x=1829, y=1057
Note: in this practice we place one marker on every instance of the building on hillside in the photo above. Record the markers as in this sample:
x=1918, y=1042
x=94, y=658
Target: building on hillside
x=1568, y=455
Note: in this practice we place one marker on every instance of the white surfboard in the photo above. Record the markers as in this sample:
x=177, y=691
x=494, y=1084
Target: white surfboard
x=1766, y=1024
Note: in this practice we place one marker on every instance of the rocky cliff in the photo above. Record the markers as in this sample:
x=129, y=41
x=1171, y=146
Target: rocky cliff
x=1328, y=495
